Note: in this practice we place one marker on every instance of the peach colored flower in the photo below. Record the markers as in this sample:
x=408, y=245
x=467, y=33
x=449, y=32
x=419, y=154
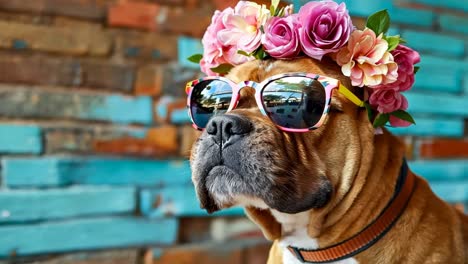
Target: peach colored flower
x=243, y=30
x=366, y=60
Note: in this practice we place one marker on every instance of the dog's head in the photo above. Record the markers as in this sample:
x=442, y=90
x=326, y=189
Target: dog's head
x=242, y=158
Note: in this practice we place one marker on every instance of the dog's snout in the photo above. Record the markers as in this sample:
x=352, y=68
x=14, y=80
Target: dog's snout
x=223, y=127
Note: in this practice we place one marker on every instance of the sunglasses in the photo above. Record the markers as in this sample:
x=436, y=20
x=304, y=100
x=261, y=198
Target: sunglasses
x=295, y=102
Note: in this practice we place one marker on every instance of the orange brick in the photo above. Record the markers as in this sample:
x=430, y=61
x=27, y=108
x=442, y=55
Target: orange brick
x=164, y=109
x=131, y=147
x=164, y=137
x=149, y=80
x=444, y=148
x=188, y=136
x=140, y=15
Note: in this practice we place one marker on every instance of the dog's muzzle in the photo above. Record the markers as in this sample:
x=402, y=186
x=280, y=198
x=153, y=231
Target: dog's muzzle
x=233, y=159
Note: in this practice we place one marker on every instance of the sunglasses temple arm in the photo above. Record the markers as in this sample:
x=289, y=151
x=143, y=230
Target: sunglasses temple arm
x=348, y=94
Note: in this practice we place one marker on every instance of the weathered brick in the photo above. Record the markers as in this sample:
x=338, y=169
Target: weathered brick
x=89, y=9
x=21, y=102
x=164, y=137
x=129, y=147
x=452, y=4
x=252, y=251
x=188, y=136
x=257, y=254
x=80, y=139
x=20, y=138
x=39, y=70
x=144, y=46
x=58, y=71
x=149, y=80
x=443, y=148
x=123, y=256
x=67, y=40
x=454, y=23
x=211, y=253
x=159, y=142
x=166, y=106
x=107, y=75
x=435, y=43
x=175, y=20
x=140, y=15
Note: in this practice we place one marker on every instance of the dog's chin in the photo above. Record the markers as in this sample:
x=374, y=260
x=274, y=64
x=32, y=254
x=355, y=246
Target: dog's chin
x=223, y=188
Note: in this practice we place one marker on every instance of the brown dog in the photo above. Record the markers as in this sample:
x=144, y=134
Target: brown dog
x=317, y=189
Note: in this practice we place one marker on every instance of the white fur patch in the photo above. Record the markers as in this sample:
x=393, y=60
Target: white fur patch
x=295, y=234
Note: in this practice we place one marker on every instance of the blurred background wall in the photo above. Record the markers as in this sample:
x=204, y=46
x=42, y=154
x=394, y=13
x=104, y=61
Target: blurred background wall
x=94, y=135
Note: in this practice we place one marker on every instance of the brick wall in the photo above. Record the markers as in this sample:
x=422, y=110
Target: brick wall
x=94, y=134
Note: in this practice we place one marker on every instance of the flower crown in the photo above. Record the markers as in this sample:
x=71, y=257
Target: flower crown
x=369, y=57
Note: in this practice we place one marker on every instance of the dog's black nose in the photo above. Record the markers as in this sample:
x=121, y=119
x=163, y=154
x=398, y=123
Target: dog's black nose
x=227, y=128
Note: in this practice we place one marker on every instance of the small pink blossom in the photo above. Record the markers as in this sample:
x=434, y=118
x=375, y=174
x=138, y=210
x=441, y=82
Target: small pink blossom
x=281, y=38
x=405, y=58
x=366, y=60
x=388, y=101
x=214, y=52
x=326, y=27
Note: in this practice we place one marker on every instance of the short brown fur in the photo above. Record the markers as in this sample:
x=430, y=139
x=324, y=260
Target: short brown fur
x=363, y=169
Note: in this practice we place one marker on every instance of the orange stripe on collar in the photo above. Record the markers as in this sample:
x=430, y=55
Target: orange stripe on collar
x=372, y=233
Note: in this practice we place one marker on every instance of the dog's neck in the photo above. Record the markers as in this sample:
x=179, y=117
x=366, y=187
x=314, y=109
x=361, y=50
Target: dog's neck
x=368, y=195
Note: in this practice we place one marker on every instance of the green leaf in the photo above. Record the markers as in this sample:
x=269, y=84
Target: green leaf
x=275, y=4
x=416, y=69
x=272, y=10
x=196, y=58
x=379, y=22
x=370, y=113
x=403, y=115
x=393, y=42
x=222, y=68
x=381, y=120
x=241, y=52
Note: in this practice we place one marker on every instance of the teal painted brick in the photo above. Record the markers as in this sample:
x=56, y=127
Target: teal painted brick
x=32, y=172
x=29, y=205
x=431, y=127
x=55, y=171
x=24, y=102
x=20, y=139
x=180, y=116
x=438, y=79
x=437, y=104
x=441, y=170
x=454, y=4
x=453, y=192
x=411, y=16
x=88, y=234
x=188, y=47
x=364, y=8
x=122, y=110
x=176, y=201
x=441, y=62
x=454, y=23
x=432, y=43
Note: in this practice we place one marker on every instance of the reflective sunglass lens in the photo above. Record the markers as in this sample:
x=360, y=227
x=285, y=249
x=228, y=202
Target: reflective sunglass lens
x=294, y=102
x=209, y=98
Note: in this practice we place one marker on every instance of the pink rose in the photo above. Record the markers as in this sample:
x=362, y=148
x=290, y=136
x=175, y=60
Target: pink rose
x=243, y=30
x=214, y=53
x=405, y=58
x=326, y=27
x=366, y=60
x=388, y=101
x=281, y=38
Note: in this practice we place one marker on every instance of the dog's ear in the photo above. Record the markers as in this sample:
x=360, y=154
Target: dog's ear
x=270, y=227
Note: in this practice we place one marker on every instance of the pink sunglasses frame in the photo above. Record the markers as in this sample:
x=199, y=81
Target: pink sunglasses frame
x=328, y=83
